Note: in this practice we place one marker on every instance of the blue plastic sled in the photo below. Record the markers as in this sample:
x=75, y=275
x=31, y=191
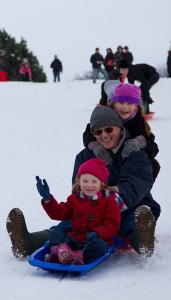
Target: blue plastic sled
x=37, y=260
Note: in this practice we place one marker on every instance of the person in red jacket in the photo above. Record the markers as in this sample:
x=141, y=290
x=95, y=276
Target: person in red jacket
x=94, y=211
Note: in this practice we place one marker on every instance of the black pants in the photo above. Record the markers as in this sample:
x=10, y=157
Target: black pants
x=24, y=77
x=91, y=249
x=149, y=83
x=56, y=75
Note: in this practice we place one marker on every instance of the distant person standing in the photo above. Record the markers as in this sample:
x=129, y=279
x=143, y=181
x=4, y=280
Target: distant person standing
x=97, y=61
x=169, y=63
x=118, y=55
x=109, y=60
x=25, y=71
x=56, y=65
x=128, y=55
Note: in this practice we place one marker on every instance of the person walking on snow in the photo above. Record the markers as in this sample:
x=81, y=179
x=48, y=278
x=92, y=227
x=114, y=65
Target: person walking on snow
x=97, y=61
x=169, y=63
x=57, y=68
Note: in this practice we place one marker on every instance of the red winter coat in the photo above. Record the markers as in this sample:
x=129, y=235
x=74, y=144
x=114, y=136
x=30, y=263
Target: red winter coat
x=101, y=216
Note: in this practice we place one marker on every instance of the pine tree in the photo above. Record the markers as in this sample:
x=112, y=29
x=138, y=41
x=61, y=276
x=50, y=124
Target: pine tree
x=12, y=55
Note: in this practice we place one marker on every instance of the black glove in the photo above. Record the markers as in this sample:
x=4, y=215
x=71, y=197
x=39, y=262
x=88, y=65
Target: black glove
x=43, y=189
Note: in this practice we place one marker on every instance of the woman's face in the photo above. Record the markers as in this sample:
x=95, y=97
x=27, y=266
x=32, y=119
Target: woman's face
x=125, y=109
x=89, y=184
x=108, y=136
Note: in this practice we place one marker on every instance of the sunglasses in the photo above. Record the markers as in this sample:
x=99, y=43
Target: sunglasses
x=100, y=131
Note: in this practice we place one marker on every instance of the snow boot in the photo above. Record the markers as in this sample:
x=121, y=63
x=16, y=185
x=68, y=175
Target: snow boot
x=23, y=242
x=53, y=256
x=67, y=256
x=142, y=240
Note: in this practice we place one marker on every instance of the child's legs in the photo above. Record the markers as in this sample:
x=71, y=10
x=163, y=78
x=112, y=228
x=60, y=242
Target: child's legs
x=57, y=236
x=93, y=250
x=65, y=225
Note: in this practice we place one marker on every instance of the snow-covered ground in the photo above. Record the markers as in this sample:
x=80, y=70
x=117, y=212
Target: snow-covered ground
x=41, y=128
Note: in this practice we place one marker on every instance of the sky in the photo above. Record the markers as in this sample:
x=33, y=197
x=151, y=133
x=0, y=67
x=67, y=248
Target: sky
x=41, y=126
x=73, y=29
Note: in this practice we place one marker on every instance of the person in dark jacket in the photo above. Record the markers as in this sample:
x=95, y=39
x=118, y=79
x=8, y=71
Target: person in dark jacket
x=128, y=55
x=118, y=55
x=131, y=176
x=145, y=74
x=126, y=101
x=56, y=65
x=109, y=62
x=169, y=63
x=97, y=61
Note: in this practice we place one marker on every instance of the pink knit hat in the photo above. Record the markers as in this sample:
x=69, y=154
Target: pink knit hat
x=126, y=92
x=95, y=167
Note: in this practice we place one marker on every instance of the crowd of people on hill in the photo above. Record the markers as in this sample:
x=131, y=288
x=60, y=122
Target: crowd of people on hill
x=109, y=65
x=111, y=186
x=119, y=66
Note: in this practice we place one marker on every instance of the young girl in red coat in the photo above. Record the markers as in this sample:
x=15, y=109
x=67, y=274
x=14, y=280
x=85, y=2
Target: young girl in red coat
x=94, y=211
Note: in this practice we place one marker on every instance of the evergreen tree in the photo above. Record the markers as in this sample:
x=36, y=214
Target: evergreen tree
x=12, y=55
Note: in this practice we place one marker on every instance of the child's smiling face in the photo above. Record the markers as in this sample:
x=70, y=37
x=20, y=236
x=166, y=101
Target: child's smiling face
x=89, y=184
x=125, y=109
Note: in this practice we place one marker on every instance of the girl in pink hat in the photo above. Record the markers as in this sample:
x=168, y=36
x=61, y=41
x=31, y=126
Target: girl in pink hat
x=94, y=211
x=25, y=71
x=126, y=101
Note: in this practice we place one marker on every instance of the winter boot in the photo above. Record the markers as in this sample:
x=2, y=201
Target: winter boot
x=53, y=256
x=67, y=256
x=142, y=240
x=23, y=242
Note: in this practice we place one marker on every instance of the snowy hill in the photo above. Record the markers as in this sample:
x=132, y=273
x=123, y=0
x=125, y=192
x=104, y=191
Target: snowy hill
x=41, y=129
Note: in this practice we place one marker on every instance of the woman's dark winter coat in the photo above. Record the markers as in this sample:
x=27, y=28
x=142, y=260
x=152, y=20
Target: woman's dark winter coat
x=133, y=176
